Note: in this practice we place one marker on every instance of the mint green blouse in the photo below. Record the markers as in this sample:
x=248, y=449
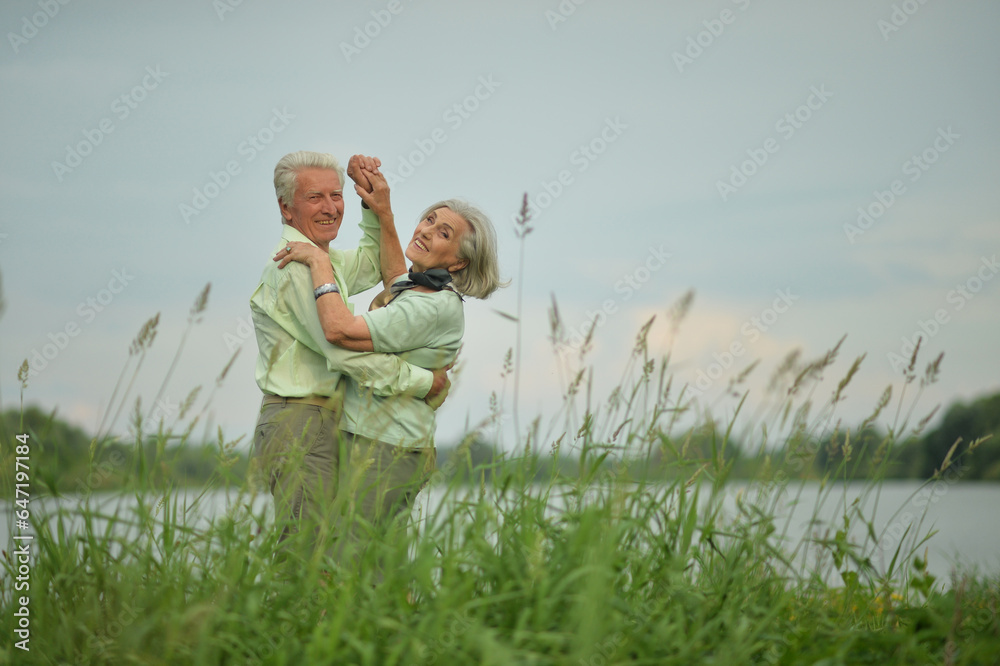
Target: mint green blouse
x=423, y=329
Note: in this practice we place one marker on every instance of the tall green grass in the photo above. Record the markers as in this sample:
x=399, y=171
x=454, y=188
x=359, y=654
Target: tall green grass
x=600, y=567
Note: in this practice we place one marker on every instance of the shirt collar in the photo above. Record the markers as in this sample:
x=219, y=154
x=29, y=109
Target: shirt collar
x=291, y=234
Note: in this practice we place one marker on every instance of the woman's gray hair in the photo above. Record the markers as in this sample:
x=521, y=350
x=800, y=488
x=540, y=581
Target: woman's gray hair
x=288, y=167
x=481, y=276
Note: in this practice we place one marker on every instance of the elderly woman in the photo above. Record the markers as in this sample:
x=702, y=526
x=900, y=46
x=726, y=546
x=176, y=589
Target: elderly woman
x=390, y=440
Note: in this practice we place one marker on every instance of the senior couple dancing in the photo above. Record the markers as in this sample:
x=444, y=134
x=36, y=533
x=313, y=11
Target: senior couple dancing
x=345, y=435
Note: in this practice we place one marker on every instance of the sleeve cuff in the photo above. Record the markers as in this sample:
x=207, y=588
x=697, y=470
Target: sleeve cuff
x=423, y=380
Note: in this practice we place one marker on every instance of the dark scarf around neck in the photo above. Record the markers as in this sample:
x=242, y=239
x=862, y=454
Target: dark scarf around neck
x=435, y=278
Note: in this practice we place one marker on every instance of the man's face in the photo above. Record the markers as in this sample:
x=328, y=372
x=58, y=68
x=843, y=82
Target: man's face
x=318, y=206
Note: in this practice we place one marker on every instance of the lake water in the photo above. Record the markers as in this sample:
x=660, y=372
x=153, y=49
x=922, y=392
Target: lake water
x=965, y=516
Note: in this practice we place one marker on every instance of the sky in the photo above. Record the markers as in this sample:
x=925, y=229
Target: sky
x=809, y=170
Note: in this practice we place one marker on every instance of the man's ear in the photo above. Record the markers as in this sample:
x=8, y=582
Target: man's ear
x=285, y=212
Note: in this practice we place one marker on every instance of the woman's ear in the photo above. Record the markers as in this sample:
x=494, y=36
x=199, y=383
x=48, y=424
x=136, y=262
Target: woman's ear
x=458, y=265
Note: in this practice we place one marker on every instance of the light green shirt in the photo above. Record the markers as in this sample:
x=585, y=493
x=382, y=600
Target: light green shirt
x=294, y=359
x=424, y=329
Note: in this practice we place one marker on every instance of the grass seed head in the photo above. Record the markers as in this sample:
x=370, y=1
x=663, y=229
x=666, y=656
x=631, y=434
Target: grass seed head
x=22, y=374
x=200, y=303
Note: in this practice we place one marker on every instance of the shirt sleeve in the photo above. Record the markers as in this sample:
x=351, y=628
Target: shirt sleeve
x=361, y=268
x=408, y=322
x=384, y=374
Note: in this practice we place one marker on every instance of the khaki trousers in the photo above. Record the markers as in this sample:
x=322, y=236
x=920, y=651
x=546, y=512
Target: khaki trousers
x=334, y=492
x=298, y=448
x=378, y=484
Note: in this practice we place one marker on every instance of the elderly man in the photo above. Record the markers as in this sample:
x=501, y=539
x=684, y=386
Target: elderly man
x=300, y=373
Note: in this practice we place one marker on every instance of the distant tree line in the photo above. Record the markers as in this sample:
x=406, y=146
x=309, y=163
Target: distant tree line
x=65, y=459
x=963, y=426
x=864, y=454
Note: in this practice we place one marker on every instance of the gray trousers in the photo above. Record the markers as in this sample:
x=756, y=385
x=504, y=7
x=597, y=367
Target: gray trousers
x=334, y=492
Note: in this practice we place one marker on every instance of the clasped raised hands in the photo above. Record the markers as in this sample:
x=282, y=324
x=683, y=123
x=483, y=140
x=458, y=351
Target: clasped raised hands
x=370, y=184
x=358, y=165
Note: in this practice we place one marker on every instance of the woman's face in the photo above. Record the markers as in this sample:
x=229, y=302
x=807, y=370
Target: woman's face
x=436, y=240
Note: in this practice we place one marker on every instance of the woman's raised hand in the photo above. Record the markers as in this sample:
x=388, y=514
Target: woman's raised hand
x=304, y=253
